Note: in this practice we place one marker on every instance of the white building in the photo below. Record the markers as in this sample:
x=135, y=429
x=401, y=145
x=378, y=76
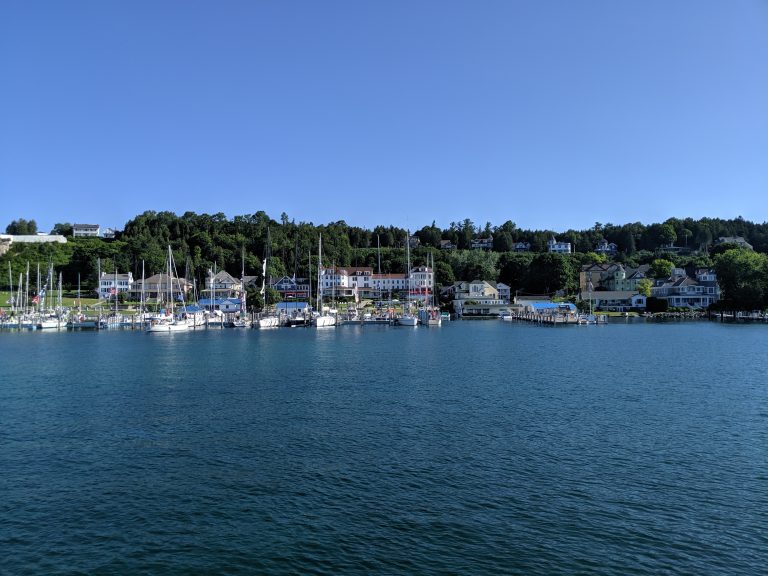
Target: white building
x=85, y=230
x=6, y=240
x=111, y=285
x=558, y=247
x=683, y=291
x=363, y=283
x=479, y=297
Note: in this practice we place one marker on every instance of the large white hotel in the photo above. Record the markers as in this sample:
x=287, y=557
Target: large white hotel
x=351, y=281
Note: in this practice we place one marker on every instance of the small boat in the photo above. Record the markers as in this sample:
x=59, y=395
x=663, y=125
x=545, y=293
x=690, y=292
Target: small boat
x=268, y=322
x=241, y=323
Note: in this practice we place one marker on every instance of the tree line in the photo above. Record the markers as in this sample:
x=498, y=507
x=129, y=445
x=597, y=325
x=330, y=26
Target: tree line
x=201, y=242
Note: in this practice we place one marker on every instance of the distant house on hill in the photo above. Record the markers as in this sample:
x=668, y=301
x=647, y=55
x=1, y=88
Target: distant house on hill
x=558, y=247
x=607, y=248
x=522, y=247
x=737, y=240
x=482, y=243
x=85, y=230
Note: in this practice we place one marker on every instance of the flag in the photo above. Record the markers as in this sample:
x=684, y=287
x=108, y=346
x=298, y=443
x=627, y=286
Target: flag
x=36, y=299
x=113, y=291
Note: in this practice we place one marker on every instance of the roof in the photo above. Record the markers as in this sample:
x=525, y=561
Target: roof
x=85, y=225
x=544, y=306
x=225, y=276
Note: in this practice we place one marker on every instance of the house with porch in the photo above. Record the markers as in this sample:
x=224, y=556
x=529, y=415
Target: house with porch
x=615, y=300
x=481, y=243
x=681, y=290
x=157, y=287
x=607, y=248
x=479, y=298
x=221, y=285
x=558, y=247
x=112, y=285
x=85, y=230
x=292, y=288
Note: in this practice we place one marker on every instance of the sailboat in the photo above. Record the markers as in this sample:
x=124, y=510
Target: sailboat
x=46, y=319
x=215, y=318
x=429, y=315
x=408, y=319
x=270, y=320
x=242, y=320
x=321, y=320
x=169, y=322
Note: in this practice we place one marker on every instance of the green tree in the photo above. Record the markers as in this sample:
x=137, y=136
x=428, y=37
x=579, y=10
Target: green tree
x=661, y=268
x=644, y=287
x=21, y=227
x=63, y=228
x=743, y=278
x=551, y=273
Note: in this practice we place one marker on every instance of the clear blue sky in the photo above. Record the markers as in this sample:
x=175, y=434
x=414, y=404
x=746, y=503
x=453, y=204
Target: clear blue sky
x=550, y=113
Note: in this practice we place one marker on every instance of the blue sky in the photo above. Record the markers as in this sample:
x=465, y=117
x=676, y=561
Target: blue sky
x=550, y=113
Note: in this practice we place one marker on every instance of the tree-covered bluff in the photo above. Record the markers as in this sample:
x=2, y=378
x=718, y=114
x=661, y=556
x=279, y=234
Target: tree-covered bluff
x=201, y=242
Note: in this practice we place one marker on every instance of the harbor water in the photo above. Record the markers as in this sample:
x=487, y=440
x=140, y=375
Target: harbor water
x=481, y=447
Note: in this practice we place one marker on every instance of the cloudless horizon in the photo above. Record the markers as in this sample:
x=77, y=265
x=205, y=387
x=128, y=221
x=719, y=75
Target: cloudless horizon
x=553, y=114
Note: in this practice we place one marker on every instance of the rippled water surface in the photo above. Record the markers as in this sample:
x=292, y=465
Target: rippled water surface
x=476, y=448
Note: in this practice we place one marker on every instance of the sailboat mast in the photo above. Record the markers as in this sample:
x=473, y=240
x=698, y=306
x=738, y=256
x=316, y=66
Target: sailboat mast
x=10, y=290
x=319, y=272
x=142, y=286
x=242, y=280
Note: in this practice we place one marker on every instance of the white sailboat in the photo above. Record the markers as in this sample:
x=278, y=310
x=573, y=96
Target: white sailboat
x=169, y=322
x=242, y=320
x=408, y=319
x=429, y=315
x=321, y=320
x=269, y=320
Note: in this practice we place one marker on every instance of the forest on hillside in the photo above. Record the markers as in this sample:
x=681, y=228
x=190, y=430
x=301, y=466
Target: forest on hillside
x=201, y=242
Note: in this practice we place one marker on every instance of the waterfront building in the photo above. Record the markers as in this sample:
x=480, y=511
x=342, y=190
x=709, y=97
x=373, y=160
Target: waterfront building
x=478, y=297
x=615, y=300
x=292, y=288
x=157, y=286
x=222, y=285
x=361, y=282
x=111, y=285
x=681, y=290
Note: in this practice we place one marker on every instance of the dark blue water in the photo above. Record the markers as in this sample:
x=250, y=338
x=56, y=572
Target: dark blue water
x=477, y=448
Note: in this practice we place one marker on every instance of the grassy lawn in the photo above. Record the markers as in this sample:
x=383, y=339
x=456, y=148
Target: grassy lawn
x=68, y=300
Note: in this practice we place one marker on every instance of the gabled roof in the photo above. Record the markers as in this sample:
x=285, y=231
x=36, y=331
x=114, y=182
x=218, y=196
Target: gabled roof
x=225, y=277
